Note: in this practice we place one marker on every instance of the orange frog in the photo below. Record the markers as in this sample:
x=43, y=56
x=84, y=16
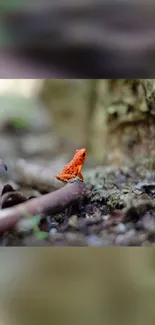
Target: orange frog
x=73, y=168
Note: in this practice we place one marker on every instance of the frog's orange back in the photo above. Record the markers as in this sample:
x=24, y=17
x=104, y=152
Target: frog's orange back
x=79, y=156
x=73, y=168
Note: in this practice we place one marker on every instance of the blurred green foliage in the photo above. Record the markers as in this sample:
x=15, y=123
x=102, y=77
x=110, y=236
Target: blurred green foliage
x=22, y=112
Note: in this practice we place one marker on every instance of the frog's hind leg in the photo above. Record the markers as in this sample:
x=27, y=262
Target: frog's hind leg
x=64, y=177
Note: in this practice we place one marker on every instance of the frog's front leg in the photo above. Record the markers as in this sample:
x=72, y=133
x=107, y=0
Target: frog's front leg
x=80, y=176
x=76, y=178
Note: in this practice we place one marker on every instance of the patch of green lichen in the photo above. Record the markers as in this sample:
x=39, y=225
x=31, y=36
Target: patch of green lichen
x=126, y=101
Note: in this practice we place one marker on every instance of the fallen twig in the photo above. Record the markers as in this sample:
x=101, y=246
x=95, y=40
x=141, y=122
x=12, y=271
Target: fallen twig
x=52, y=203
x=40, y=177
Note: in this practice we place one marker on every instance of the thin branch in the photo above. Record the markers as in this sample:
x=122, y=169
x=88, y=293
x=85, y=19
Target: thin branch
x=52, y=203
x=39, y=176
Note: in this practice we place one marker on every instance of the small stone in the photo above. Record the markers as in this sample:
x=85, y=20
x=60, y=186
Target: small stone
x=148, y=222
x=120, y=240
x=53, y=238
x=121, y=228
x=73, y=221
x=95, y=241
x=142, y=238
x=106, y=217
x=127, y=239
x=24, y=225
x=131, y=233
x=53, y=231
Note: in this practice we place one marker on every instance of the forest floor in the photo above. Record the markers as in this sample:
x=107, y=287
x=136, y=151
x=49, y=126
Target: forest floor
x=117, y=209
x=113, y=207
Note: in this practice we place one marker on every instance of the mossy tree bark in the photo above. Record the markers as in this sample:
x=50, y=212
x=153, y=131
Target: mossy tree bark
x=114, y=118
x=130, y=117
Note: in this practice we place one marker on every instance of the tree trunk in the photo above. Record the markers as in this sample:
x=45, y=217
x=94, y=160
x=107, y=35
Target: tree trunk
x=113, y=118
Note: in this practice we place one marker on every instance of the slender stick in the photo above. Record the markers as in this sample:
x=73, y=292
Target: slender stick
x=52, y=203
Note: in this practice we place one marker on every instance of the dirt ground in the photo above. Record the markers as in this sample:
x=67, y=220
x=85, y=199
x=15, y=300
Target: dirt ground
x=117, y=209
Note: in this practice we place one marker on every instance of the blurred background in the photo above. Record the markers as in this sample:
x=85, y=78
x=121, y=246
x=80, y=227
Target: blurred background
x=77, y=286
x=44, y=121
x=87, y=39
